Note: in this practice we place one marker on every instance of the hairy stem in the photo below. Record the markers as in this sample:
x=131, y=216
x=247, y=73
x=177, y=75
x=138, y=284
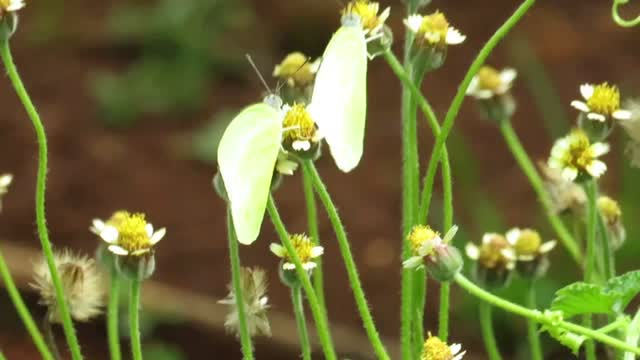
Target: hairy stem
x=41, y=183
x=113, y=316
x=314, y=232
x=298, y=310
x=532, y=328
x=591, y=189
x=134, y=319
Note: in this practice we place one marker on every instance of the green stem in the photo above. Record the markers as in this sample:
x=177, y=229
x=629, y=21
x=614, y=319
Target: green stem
x=134, y=320
x=539, y=317
x=633, y=334
x=520, y=154
x=2, y=357
x=618, y=19
x=532, y=329
x=608, y=254
x=443, y=318
x=314, y=232
x=298, y=310
x=489, y=338
x=352, y=272
x=590, y=188
x=319, y=316
x=234, y=259
x=50, y=336
x=41, y=183
x=113, y=316
x=23, y=311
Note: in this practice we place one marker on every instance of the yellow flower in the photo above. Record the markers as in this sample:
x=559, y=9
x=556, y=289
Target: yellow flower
x=527, y=244
x=7, y=6
x=128, y=234
x=574, y=154
x=602, y=102
x=436, y=349
x=367, y=11
x=297, y=70
x=300, y=130
x=424, y=241
x=433, y=29
x=305, y=249
x=490, y=82
x=495, y=252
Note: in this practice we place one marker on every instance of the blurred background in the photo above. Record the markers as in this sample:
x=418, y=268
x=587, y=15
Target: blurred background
x=135, y=95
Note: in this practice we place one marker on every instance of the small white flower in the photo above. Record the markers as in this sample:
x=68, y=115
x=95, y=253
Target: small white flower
x=305, y=249
x=489, y=82
x=128, y=234
x=527, y=244
x=601, y=102
x=495, y=252
x=433, y=29
x=11, y=5
x=574, y=154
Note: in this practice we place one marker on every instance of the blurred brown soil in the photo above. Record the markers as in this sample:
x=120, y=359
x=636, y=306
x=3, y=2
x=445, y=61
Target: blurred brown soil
x=95, y=170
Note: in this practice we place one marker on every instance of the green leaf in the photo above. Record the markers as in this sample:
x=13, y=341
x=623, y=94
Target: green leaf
x=582, y=298
x=623, y=289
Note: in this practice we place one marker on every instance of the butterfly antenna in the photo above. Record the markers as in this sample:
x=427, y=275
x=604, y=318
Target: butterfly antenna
x=257, y=71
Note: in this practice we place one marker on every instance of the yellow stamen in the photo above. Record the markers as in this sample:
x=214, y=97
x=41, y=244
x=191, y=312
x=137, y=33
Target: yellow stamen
x=434, y=28
x=580, y=154
x=419, y=235
x=528, y=243
x=491, y=255
x=299, y=125
x=367, y=12
x=303, y=246
x=132, y=232
x=436, y=349
x=605, y=99
x=489, y=78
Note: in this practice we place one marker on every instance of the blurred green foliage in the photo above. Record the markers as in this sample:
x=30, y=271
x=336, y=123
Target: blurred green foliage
x=204, y=141
x=163, y=352
x=180, y=48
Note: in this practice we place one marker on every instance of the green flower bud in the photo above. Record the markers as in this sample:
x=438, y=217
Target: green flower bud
x=445, y=262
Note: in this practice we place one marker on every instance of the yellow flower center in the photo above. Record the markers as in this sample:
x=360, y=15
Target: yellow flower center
x=303, y=246
x=367, y=12
x=609, y=209
x=528, y=243
x=419, y=235
x=298, y=124
x=434, y=28
x=491, y=255
x=579, y=155
x=489, y=78
x=605, y=99
x=132, y=232
x=436, y=349
x=296, y=68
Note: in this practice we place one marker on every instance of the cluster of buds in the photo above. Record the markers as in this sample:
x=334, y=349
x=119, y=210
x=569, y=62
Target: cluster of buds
x=492, y=89
x=499, y=255
x=441, y=259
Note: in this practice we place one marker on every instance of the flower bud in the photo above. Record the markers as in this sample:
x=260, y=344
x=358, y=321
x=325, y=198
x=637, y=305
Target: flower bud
x=445, y=262
x=137, y=268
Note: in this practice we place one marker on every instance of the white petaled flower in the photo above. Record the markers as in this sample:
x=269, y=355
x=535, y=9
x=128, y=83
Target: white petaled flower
x=367, y=11
x=489, y=82
x=423, y=242
x=574, y=155
x=305, y=249
x=7, y=6
x=300, y=132
x=82, y=282
x=436, y=349
x=297, y=70
x=601, y=102
x=495, y=252
x=128, y=234
x=527, y=244
x=253, y=283
x=433, y=30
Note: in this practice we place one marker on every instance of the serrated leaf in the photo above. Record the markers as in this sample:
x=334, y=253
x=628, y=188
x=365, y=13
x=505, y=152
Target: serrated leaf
x=582, y=298
x=623, y=289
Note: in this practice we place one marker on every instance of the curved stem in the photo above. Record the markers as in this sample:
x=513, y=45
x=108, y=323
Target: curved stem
x=518, y=151
x=234, y=259
x=352, y=271
x=134, y=319
x=314, y=232
x=615, y=13
x=539, y=317
x=489, y=338
x=23, y=311
x=532, y=328
x=113, y=316
x=319, y=316
x=41, y=183
x=298, y=310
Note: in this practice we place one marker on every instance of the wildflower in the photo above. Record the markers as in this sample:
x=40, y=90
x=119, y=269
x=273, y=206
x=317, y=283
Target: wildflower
x=297, y=70
x=530, y=251
x=495, y=259
x=602, y=102
x=436, y=349
x=367, y=11
x=305, y=249
x=253, y=283
x=300, y=133
x=612, y=215
x=443, y=261
x=5, y=181
x=433, y=30
x=82, y=282
x=490, y=82
x=128, y=234
x=565, y=195
x=574, y=155
x=10, y=6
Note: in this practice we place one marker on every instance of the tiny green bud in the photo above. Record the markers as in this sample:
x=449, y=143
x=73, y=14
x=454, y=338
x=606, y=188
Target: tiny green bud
x=289, y=277
x=445, y=262
x=381, y=43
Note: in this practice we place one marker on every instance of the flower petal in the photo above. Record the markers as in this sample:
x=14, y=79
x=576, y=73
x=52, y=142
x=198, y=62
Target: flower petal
x=450, y=234
x=508, y=75
x=288, y=266
x=570, y=173
x=97, y=226
x=600, y=149
x=109, y=234
x=473, y=252
x=586, y=90
x=413, y=22
x=622, y=114
x=317, y=251
x=547, y=246
x=412, y=262
x=513, y=235
x=454, y=37
x=118, y=250
x=596, y=117
x=149, y=229
x=580, y=105
x=157, y=236
x=309, y=265
x=278, y=250
x=597, y=168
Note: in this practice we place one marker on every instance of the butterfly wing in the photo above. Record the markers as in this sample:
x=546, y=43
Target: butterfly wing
x=338, y=104
x=246, y=156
